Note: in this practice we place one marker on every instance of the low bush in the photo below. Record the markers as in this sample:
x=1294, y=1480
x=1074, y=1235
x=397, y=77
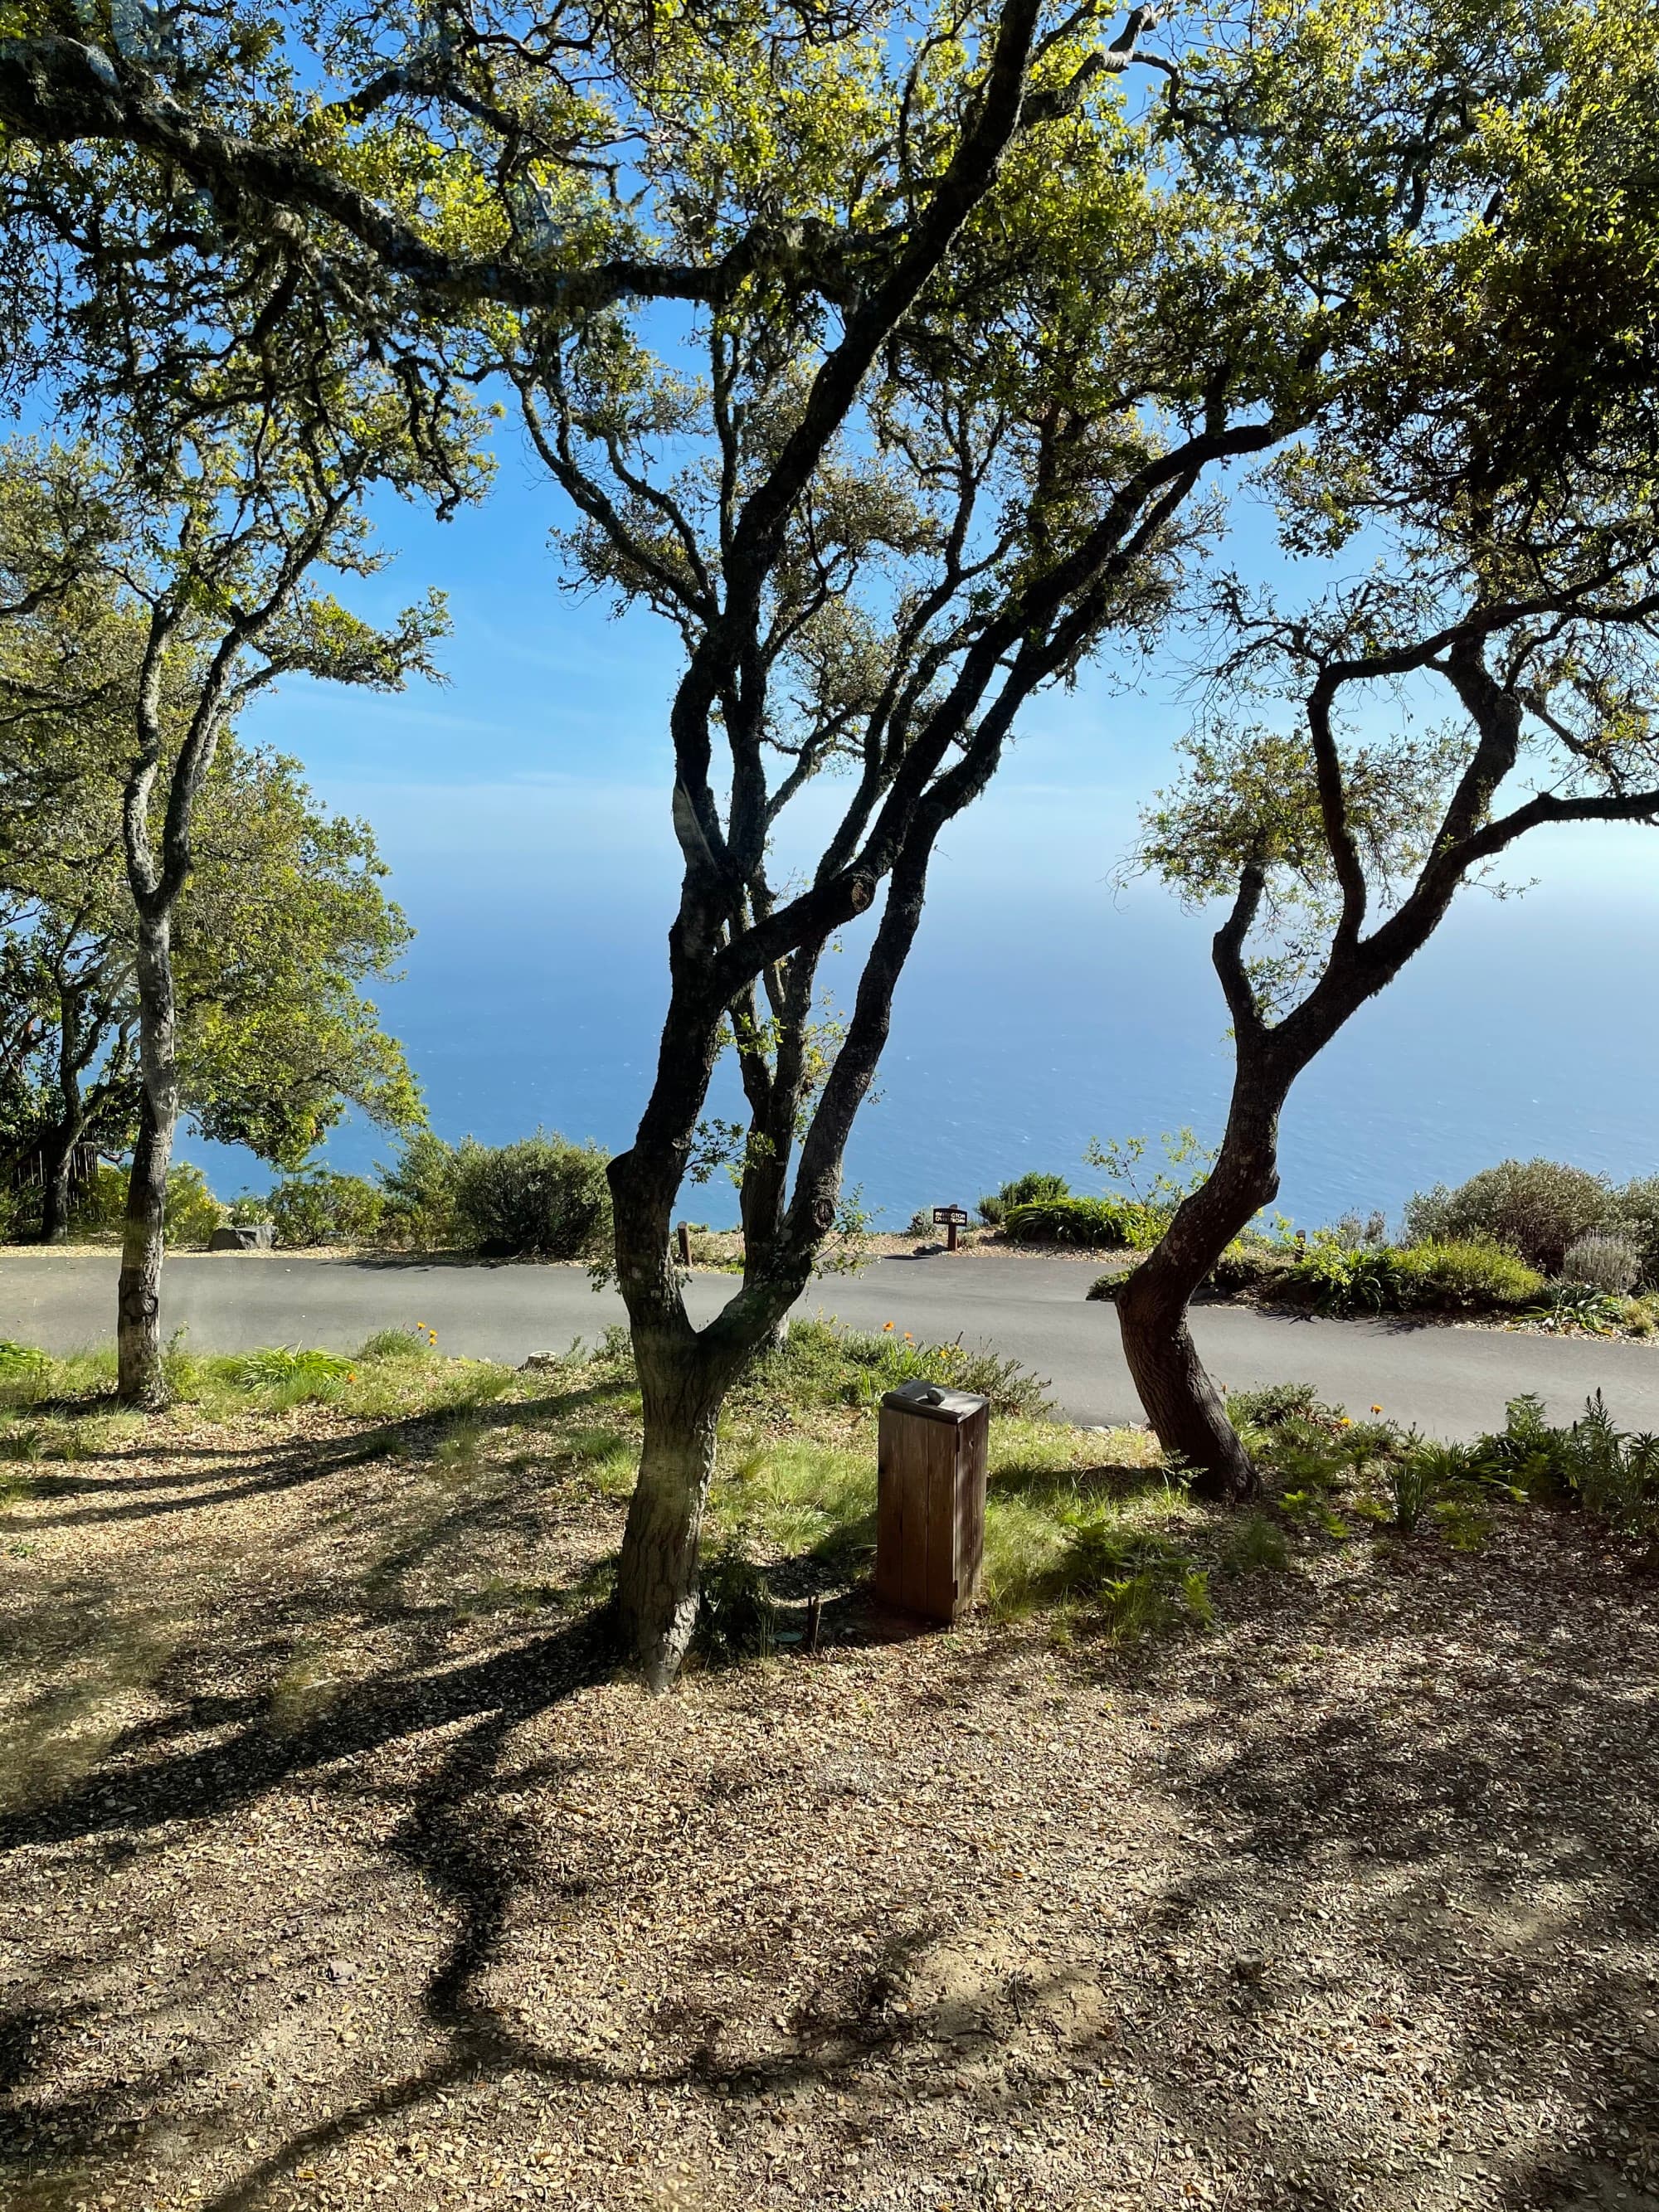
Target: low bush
x=1592, y=1464
x=1580, y=1310
x=543, y=1196
x=1245, y=1266
x=1108, y=1224
x=1534, y=1208
x=737, y=1618
x=1468, y=1275
x=321, y=1206
x=1032, y=1189
x=1638, y=1220
x=1605, y=1262
x=419, y=1191
x=192, y=1211
x=1274, y=1405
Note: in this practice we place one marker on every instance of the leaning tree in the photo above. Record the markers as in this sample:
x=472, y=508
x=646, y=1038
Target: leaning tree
x=1490, y=477
x=889, y=357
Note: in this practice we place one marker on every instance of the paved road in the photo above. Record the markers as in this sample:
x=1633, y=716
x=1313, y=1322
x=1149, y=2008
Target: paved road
x=1450, y=1382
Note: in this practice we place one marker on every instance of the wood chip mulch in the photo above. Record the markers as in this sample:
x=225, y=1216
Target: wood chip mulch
x=334, y=1871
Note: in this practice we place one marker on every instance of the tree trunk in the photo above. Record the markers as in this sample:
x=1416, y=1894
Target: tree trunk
x=55, y=1190
x=657, y=1575
x=1183, y=1405
x=143, y=1379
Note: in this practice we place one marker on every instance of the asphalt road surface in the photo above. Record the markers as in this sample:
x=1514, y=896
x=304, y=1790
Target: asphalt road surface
x=1450, y=1382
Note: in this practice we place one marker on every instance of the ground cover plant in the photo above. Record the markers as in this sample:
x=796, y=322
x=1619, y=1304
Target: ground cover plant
x=333, y=1851
x=1470, y=1279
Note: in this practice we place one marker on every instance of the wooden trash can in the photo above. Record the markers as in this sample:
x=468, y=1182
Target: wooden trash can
x=930, y=1499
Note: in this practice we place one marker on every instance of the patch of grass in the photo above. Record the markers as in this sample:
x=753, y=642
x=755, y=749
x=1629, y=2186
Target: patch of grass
x=55, y=1737
x=459, y=1457
x=1139, y=1582
x=417, y=1344
x=609, y=1460
x=23, y=1372
x=498, y=1594
x=802, y=1498
x=307, y=1686
x=820, y=1363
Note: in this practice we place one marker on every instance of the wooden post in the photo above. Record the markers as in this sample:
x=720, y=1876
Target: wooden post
x=930, y=1499
x=683, y=1238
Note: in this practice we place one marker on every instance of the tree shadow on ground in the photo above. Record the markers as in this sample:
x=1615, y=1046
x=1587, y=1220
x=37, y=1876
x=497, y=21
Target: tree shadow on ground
x=1392, y=1808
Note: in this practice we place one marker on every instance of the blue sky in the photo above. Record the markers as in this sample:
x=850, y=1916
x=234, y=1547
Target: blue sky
x=523, y=808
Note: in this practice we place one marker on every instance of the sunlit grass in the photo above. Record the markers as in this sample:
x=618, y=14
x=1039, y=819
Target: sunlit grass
x=797, y=1496
x=795, y=1480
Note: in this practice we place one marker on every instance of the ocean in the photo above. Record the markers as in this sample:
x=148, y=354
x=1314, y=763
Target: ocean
x=1044, y=1004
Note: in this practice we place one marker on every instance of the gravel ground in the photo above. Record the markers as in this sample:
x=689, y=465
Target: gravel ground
x=336, y=1872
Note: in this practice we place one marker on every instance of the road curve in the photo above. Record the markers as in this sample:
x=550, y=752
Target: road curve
x=1448, y=1381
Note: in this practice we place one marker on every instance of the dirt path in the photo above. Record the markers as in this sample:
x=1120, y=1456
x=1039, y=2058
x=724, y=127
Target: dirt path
x=336, y=1874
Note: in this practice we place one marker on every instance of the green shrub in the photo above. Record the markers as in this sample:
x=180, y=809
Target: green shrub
x=736, y=1617
x=1593, y=1464
x=321, y=1206
x=192, y=1211
x=1032, y=1189
x=1535, y=1207
x=419, y=1190
x=1473, y=1273
x=544, y=1195
x=1468, y=1275
x=1579, y=1310
x=25, y=1374
x=1638, y=1219
x=1245, y=1266
x=1608, y=1263
x=1111, y=1223
x=1426, y=1475
x=1274, y=1405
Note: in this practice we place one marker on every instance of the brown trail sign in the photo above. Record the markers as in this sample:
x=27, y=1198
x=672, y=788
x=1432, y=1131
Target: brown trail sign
x=951, y=1219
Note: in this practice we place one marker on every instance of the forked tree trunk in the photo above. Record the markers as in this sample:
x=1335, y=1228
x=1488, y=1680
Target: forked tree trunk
x=142, y=1376
x=1187, y=1412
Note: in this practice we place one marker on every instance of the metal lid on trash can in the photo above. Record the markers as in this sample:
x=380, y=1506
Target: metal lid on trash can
x=934, y=1401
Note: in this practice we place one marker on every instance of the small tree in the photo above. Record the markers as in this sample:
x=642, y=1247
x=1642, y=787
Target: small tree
x=1500, y=448
x=209, y=570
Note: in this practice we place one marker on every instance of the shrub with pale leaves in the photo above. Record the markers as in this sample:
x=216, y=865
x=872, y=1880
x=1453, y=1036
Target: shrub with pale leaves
x=1606, y=1262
